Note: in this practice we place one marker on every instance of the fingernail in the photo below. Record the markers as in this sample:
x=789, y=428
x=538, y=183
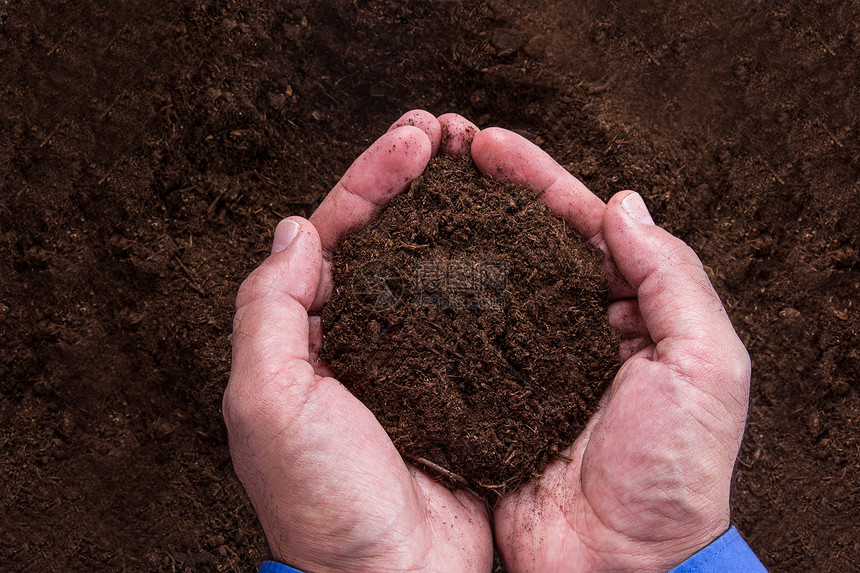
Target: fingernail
x=285, y=233
x=635, y=207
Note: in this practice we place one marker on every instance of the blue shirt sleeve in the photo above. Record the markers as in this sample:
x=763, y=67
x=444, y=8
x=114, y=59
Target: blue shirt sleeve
x=729, y=553
x=274, y=567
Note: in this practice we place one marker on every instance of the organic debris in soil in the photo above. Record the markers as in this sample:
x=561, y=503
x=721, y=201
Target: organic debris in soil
x=472, y=322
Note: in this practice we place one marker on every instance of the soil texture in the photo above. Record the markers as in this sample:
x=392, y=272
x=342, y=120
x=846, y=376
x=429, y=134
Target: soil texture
x=472, y=322
x=148, y=149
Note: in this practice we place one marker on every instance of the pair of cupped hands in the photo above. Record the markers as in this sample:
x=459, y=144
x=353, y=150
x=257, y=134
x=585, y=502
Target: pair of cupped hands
x=648, y=484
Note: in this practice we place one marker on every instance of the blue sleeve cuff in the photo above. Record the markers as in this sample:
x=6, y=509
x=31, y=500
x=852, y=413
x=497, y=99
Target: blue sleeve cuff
x=274, y=567
x=729, y=553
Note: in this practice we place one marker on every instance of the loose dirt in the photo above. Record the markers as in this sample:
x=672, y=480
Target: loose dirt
x=473, y=323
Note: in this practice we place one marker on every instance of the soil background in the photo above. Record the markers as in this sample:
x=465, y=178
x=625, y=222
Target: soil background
x=147, y=150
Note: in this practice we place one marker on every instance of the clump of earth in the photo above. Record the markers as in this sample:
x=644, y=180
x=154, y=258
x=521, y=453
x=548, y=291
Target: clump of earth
x=472, y=322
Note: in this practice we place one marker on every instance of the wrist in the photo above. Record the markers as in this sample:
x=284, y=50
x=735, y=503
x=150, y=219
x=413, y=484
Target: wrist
x=669, y=554
x=657, y=554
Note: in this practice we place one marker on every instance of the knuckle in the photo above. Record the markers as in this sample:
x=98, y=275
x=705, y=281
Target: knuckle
x=260, y=283
x=227, y=409
x=742, y=365
x=231, y=407
x=240, y=410
x=257, y=399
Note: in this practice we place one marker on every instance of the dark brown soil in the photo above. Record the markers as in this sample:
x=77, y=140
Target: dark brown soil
x=472, y=323
x=147, y=150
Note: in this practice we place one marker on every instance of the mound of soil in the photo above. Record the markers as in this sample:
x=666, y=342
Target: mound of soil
x=472, y=322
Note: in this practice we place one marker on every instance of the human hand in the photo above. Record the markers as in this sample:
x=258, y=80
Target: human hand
x=328, y=486
x=648, y=484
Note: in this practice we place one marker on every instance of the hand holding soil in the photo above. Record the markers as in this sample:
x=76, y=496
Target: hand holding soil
x=647, y=481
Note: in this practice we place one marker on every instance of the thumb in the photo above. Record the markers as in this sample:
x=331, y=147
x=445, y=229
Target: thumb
x=271, y=328
x=680, y=309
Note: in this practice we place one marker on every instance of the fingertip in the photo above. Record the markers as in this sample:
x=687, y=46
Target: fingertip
x=488, y=148
x=624, y=218
x=426, y=122
x=294, y=267
x=615, y=201
x=507, y=156
x=291, y=230
x=457, y=134
x=497, y=134
x=385, y=169
x=634, y=206
x=630, y=233
x=408, y=149
x=285, y=233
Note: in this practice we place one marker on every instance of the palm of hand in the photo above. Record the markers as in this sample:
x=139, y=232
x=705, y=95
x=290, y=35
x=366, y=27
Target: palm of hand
x=629, y=501
x=342, y=498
